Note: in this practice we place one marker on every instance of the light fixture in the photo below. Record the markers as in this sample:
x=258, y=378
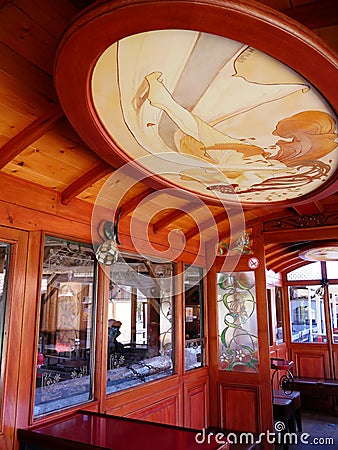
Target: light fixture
x=107, y=253
x=323, y=253
x=65, y=290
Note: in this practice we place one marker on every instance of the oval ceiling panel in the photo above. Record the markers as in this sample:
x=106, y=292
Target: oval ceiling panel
x=197, y=108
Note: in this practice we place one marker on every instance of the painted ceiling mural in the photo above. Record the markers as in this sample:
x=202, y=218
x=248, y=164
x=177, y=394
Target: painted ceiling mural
x=224, y=119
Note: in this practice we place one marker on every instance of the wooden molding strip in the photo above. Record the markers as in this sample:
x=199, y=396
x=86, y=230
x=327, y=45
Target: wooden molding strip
x=86, y=180
x=317, y=14
x=30, y=134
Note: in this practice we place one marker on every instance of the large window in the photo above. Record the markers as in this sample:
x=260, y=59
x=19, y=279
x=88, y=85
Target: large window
x=307, y=314
x=194, y=334
x=140, y=322
x=310, y=288
x=333, y=296
x=65, y=339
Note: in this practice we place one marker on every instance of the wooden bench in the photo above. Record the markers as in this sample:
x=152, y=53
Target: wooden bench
x=317, y=388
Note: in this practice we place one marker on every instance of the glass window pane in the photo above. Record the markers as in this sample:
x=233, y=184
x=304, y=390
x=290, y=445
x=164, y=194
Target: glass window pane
x=237, y=321
x=65, y=346
x=332, y=270
x=311, y=271
x=333, y=295
x=140, y=322
x=279, y=315
x=4, y=262
x=194, y=335
x=307, y=314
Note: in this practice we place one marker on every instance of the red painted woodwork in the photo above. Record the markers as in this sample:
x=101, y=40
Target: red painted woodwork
x=165, y=412
x=312, y=365
x=196, y=404
x=97, y=431
x=234, y=401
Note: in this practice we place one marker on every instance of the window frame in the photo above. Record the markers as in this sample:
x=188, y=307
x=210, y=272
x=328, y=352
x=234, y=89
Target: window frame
x=93, y=341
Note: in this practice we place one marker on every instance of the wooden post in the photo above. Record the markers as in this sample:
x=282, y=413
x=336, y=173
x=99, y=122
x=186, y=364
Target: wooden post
x=265, y=391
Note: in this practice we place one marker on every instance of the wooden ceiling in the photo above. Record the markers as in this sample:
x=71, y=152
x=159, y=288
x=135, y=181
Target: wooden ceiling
x=40, y=148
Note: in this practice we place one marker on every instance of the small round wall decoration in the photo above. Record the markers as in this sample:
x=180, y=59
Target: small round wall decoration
x=253, y=262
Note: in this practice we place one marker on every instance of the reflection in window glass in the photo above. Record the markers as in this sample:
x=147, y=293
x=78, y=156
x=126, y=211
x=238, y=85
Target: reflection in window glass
x=332, y=270
x=140, y=322
x=4, y=262
x=65, y=346
x=333, y=296
x=237, y=321
x=307, y=314
x=194, y=337
x=279, y=315
x=308, y=272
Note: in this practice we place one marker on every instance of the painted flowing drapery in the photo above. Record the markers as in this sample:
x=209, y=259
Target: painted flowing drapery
x=223, y=118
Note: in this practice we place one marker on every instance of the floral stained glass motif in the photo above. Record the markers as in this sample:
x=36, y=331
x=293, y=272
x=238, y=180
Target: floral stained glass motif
x=237, y=321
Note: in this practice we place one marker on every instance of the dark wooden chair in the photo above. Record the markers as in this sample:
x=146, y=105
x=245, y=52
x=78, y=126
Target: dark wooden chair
x=295, y=398
x=283, y=411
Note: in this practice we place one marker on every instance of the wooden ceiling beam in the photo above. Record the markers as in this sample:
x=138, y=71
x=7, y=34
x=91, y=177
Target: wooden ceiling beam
x=276, y=250
x=130, y=205
x=308, y=209
x=301, y=234
x=209, y=223
x=29, y=135
x=282, y=258
x=289, y=265
x=286, y=264
x=318, y=14
x=86, y=180
x=173, y=217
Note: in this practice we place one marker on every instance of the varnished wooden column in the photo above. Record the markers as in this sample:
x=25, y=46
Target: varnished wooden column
x=265, y=394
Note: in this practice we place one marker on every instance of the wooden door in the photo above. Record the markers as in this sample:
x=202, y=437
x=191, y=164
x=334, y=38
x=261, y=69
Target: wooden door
x=13, y=248
x=240, y=385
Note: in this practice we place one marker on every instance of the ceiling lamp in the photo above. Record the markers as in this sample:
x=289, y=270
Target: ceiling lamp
x=107, y=253
x=328, y=253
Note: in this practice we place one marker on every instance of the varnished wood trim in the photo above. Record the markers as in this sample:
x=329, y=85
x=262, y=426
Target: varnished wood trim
x=264, y=29
x=30, y=134
x=315, y=233
x=289, y=264
x=12, y=345
x=314, y=15
x=86, y=180
x=130, y=205
x=3, y=3
x=209, y=223
x=308, y=209
x=172, y=217
x=265, y=394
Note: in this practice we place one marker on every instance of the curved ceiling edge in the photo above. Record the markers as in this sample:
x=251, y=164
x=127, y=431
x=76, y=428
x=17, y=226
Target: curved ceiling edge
x=256, y=29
